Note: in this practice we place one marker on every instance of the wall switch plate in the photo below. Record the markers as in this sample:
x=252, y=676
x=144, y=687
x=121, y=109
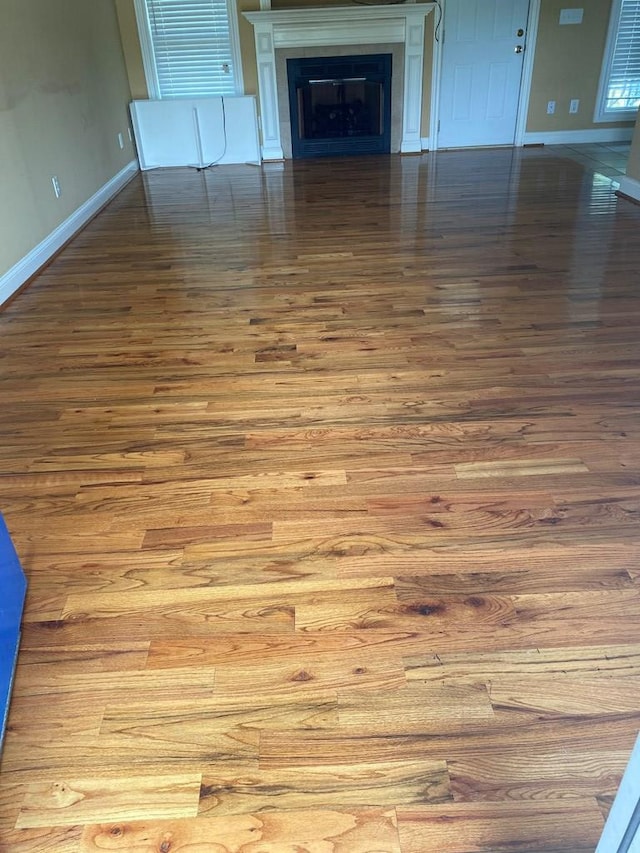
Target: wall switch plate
x=571, y=16
x=120, y=140
x=551, y=107
x=56, y=186
x=574, y=105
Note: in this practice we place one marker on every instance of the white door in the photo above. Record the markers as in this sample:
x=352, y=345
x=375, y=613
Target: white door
x=482, y=61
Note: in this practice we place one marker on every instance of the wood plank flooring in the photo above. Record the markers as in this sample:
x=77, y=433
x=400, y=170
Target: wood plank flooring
x=326, y=480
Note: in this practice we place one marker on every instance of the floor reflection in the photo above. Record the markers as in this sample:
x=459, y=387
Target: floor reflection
x=607, y=158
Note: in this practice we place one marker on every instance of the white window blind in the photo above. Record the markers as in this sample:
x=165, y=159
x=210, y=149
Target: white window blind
x=621, y=93
x=191, y=46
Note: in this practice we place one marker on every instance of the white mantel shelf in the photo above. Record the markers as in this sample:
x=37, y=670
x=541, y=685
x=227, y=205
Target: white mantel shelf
x=356, y=12
x=340, y=25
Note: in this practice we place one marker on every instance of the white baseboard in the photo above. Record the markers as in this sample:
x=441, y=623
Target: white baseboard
x=28, y=266
x=576, y=137
x=631, y=187
x=425, y=141
x=412, y=147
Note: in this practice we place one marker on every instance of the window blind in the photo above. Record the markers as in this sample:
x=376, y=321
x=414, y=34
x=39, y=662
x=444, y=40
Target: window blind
x=191, y=47
x=623, y=88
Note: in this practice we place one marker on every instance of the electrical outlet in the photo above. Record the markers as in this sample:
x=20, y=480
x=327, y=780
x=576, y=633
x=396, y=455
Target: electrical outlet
x=56, y=186
x=120, y=140
x=551, y=107
x=574, y=106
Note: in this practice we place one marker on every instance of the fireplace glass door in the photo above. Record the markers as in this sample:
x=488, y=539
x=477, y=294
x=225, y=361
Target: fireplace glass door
x=340, y=105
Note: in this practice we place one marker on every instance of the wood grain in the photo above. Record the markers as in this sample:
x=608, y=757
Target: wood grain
x=74, y=802
x=337, y=831
x=479, y=827
x=325, y=786
x=545, y=775
x=326, y=481
x=568, y=664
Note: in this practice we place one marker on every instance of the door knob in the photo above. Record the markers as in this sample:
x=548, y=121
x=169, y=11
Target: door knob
x=520, y=33
x=518, y=48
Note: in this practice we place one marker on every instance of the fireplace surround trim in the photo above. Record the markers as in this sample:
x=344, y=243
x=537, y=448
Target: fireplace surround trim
x=339, y=25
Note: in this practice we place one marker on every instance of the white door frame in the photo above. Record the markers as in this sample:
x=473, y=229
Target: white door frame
x=525, y=81
x=621, y=833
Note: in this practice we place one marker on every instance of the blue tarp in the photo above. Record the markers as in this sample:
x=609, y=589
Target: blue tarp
x=13, y=586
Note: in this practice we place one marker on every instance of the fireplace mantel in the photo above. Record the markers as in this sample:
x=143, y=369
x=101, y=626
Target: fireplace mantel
x=340, y=25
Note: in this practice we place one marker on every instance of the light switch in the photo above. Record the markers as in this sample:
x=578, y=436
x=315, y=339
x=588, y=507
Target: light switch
x=571, y=16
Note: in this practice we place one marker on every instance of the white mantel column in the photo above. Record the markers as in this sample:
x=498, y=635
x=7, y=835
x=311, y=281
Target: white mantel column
x=413, y=76
x=268, y=90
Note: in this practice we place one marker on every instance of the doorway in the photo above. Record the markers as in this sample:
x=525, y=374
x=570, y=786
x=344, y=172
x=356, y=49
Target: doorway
x=484, y=58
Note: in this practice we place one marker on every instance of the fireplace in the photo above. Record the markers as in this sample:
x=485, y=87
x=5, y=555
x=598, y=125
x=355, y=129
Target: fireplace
x=340, y=105
x=330, y=29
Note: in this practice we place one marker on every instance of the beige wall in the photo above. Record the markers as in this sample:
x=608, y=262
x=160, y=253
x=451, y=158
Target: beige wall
x=567, y=65
x=429, y=26
x=63, y=100
x=131, y=49
x=247, y=46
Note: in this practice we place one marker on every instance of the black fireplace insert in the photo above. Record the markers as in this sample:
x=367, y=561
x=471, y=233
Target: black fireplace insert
x=340, y=105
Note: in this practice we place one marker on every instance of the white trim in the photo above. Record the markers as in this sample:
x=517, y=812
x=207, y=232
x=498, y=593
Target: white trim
x=425, y=142
x=412, y=83
x=144, y=34
x=236, y=52
x=618, y=834
x=533, y=19
x=28, y=266
x=436, y=73
x=411, y=147
x=290, y=26
x=607, y=59
x=148, y=59
x=631, y=187
x=575, y=137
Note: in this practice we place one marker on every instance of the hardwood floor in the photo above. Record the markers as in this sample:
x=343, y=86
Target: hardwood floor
x=326, y=480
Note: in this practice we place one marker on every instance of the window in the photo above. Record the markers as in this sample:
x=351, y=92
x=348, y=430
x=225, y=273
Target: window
x=619, y=92
x=189, y=47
